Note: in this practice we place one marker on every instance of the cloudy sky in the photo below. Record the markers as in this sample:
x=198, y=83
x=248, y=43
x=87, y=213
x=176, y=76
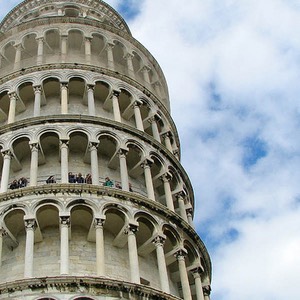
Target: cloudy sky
x=233, y=69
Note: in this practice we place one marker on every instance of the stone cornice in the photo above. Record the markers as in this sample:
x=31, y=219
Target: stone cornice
x=81, y=285
x=81, y=189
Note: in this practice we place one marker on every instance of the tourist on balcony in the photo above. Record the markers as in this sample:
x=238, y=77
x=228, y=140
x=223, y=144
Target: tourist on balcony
x=108, y=182
x=79, y=178
x=118, y=186
x=51, y=179
x=72, y=178
x=14, y=185
x=88, y=179
x=22, y=182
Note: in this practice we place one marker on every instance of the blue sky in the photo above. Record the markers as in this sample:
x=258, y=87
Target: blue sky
x=233, y=70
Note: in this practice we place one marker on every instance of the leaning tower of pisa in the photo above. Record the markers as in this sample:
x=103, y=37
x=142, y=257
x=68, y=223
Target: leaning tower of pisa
x=94, y=203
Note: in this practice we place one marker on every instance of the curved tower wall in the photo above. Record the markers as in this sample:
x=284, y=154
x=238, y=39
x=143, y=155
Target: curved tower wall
x=78, y=94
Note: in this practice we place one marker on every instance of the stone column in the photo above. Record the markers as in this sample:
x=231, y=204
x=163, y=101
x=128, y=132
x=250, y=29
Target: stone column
x=181, y=204
x=167, y=139
x=88, y=51
x=146, y=165
x=40, y=50
x=91, y=99
x=2, y=234
x=64, y=245
x=12, y=107
x=133, y=255
x=161, y=262
x=189, y=214
x=64, y=161
x=64, y=97
x=123, y=169
x=7, y=155
x=34, y=147
x=18, y=55
x=129, y=57
x=37, y=100
x=110, y=56
x=116, y=107
x=64, y=45
x=166, y=178
x=138, y=116
x=157, y=86
x=94, y=162
x=198, y=285
x=154, y=127
x=100, y=258
x=180, y=256
x=30, y=226
x=206, y=292
x=146, y=76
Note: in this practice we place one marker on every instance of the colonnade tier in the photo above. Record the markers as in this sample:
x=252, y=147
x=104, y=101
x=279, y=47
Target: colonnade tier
x=85, y=93
x=162, y=251
x=98, y=147
x=78, y=44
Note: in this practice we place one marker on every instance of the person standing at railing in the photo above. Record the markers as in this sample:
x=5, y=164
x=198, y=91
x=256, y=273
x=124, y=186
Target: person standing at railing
x=51, y=179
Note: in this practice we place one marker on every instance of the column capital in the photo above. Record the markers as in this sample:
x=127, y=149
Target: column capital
x=181, y=196
x=116, y=93
x=90, y=87
x=65, y=221
x=34, y=146
x=12, y=95
x=3, y=232
x=206, y=290
x=39, y=38
x=137, y=103
x=37, y=88
x=189, y=212
x=109, y=46
x=64, y=143
x=147, y=163
x=167, y=177
x=180, y=254
x=64, y=84
x=98, y=222
x=197, y=271
x=129, y=55
x=159, y=241
x=146, y=69
x=6, y=153
x=167, y=134
x=30, y=224
x=18, y=46
x=122, y=151
x=131, y=228
x=93, y=145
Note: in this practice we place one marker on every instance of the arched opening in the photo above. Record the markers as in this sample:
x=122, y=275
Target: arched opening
x=20, y=163
x=26, y=101
x=82, y=262
x=4, y=106
x=108, y=158
x=79, y=156
x=101, y=94
x=51, y=88
x=76, y=96
x=48, y=242
x=49, y=158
